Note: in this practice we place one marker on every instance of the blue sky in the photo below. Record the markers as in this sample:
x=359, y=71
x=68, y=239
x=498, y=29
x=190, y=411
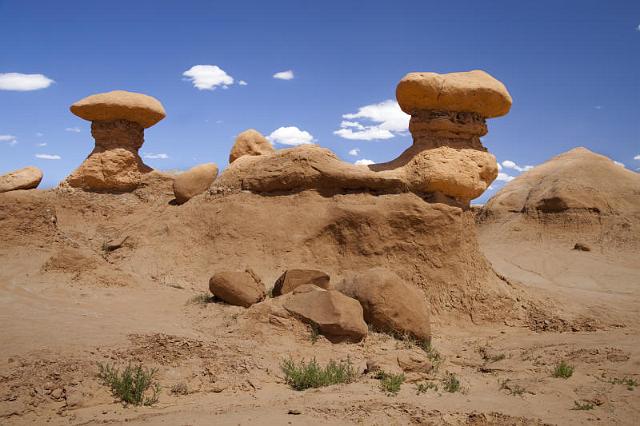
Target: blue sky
x=572, y=67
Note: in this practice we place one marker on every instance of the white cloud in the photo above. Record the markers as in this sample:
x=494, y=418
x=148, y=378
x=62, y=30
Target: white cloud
x=38, y=134
x=73, y=129
x=354, y=151
x=284, y=75
x=511, y=165
x=290, y=136
x=617, y=163
x=503, y=177
x=9, y=139
x=48, y=156
x=499, y=167
x=242, y=83
x=41, y=144
x=598, y=107
x=383, y=120
x=152, y=156
x=208, y=77
x=24, y=82
x=638, y=28
x=364, y=162
x=637, y=157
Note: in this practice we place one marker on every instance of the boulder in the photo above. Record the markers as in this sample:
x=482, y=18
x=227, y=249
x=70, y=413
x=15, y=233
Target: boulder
x=237, y=288
x=293, y=278
x=473, y=91
x=389, y=304
x=338, y=317
x=120, y=105
x=194, y=181
x=26, y=178
x=250, y=142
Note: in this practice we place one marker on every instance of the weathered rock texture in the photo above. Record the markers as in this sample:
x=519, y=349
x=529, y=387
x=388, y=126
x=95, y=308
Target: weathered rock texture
x=237, y=288
x=337, y=317
x=118, y=122
x=250, y=142
x=194, y=181
x=26, y=178
x=390, y=304
x=293, y=278
x=446, y=162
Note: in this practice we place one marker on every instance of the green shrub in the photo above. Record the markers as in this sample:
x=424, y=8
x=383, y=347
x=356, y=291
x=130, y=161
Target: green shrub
x=390, y=383
x=582, y=405
x=563, y=370
x=311, y=375
x=424, y=387
x=451, y=383
x=179, y=389
x=630, y=383
x=131, y=384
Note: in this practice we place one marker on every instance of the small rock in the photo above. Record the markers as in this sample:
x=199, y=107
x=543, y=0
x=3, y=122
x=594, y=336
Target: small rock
x=26, y=178
x=293, y=278
x=57, y=393
x=294, y=412
x=194, y=181
x=237, y=288
x=581, y=247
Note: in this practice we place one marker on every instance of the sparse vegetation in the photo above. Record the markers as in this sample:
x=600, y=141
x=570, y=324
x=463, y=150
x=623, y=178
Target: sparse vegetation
x=311, y=375
x=201, y=299
x=513, y=389
x=410, y=342
x=131, y=385
x=563, y=370
x=630, y=383
x=451, y=383
x=390, y=383
x=582, y=405
x=490, y=357
x=424, y=387
x=179, y=389
x=315, y=333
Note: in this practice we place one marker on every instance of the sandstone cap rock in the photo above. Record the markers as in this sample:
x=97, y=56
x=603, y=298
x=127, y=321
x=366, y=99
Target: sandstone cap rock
x=26, y=178
x=472, y=91
x=120, y=105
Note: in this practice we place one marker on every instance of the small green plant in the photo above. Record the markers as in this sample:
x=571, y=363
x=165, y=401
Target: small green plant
x=451, y=383
x=582, y=405
x=315, y=333
x=513, y=389
x=563, y=370
x=200, y=299
x=424, y=387
x=131, y=384
x=311, y=375
x=179, y=389
x=630, y=383
x=390, y=383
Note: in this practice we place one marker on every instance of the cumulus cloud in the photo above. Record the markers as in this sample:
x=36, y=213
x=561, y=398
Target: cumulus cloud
x=208, y=77
x=242, y=83
x=383, y=120
x=617, y=163
x=354, y=151
x=73, y=129
x=9, y=139
x=637, y=157
x=503, y=177
x=512, y=165
x=290, y=136
x=24, y=82
x=152, y=156
x=284, y=75
x=48, y=156
x=364, y=162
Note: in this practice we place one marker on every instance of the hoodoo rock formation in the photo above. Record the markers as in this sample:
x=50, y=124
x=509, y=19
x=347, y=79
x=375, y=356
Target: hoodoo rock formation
x=118, y=120
x=250, y=142
x=446, y=162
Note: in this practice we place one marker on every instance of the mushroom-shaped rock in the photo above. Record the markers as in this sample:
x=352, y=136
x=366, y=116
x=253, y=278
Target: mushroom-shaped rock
x=194, y=181
x=237, y=288
x=338, y=317
x=120, y=105
x=118, y=120
x=26, y=178
x=294, y=278
x=389, y=303
x=250, y=142
x=473, y=91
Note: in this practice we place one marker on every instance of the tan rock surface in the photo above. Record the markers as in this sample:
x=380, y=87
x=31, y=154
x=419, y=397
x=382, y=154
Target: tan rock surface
x=25, y=178
x=338, y=317
x=250, y=142
x=293, y=278
x=473, y=91
x=194, y=181
x=120, y=105
x=237, y=288
x=389, y=304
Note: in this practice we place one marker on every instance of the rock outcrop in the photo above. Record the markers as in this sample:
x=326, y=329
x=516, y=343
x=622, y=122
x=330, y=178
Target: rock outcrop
x=250, y=142
x=446, y=162
x=118, y=120
x=194, y=181
x=337, y=317
x=390, y=304
x=237, y=288
x=294, y=278
x=26, y=178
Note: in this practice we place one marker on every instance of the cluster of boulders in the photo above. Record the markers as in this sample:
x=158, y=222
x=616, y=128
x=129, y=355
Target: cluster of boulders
x=377, y=298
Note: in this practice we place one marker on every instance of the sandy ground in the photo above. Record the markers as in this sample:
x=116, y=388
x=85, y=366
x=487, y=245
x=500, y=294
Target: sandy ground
x=55, y=329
